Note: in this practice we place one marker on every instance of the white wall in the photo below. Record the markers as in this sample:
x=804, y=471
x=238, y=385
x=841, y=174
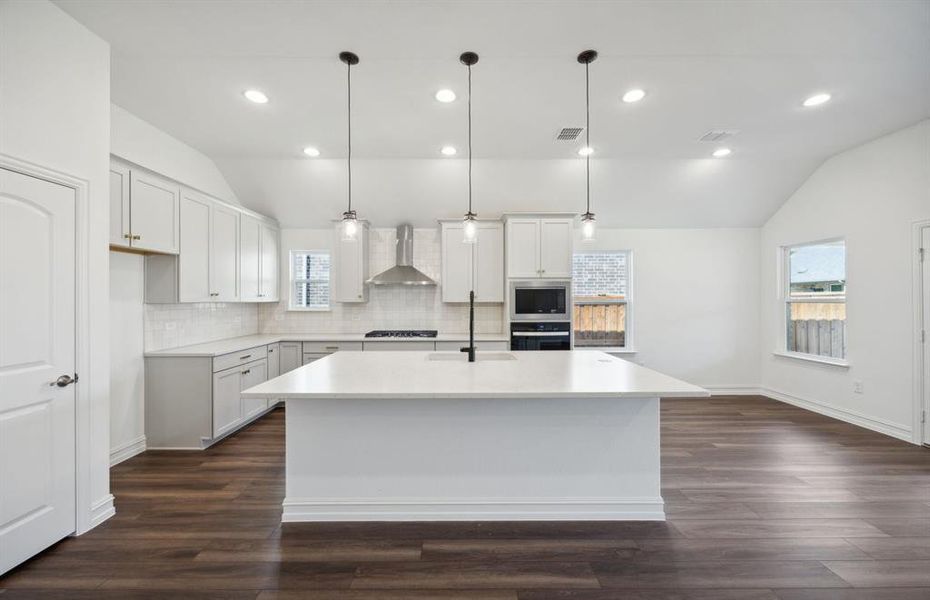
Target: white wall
x=871, y=196
x=695, y=309
x=141, y=143
x=55, y=112
x=127, y=367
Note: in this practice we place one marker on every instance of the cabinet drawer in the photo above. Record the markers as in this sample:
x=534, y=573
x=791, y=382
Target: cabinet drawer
x=395, y=345
x=331, y=346
x=234, y=359
x=309, y=357
x=480, y=346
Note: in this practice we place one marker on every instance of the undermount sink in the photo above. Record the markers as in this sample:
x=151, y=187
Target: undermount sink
x=479, y=356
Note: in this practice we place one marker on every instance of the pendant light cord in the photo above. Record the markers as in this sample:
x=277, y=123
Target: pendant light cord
x=587, y=134
x=349, y=113
x=469, y=139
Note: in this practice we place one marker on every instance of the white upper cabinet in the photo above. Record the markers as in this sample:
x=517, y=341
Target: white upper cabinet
x=351, y=263
x=119, y=205
x=539, y=248
x=194, y=260
x=555, y=248
x=154, y=212
x=258, y=260
x=250, y=258
x=224, y=253
x=270, y=283
x=478, y=266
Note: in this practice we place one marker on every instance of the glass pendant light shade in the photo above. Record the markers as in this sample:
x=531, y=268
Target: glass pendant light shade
x=470, y=228
x=349, y=226
x=587, y=227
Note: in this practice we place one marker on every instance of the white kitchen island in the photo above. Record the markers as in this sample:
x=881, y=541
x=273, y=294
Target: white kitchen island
x=427, y=436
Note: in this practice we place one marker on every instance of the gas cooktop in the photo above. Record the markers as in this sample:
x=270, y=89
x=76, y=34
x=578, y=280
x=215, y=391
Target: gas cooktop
x=402, y=333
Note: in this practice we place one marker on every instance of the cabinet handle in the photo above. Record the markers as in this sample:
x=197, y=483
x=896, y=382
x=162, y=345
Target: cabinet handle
x=214, y=293
x=270, y=350
x=332, y=347
x=261, y=295
x=136, y=237
x=126, y=236
x=245, y=357
x=247, y=371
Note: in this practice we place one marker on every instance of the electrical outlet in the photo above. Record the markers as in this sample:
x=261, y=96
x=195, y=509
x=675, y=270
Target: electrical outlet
x=857, y=387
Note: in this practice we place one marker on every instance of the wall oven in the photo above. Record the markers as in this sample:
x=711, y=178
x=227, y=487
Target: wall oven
x=540, y=301
x=546, y=335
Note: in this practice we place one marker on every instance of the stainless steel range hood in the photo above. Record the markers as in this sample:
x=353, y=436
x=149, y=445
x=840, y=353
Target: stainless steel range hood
x=403, y=273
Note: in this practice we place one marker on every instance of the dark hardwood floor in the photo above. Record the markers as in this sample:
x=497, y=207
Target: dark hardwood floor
x=765, y=502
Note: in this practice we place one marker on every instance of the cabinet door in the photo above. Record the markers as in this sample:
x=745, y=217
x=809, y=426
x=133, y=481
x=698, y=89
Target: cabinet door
x=249, y=258
x=489, y=263
x=227, y=407
x=309, y=357
x=194, y=261
x=351, y=271
x=224, y=253
x=290, y=356
x=555, y=248
x=523, y=248
x=155, y=207
x=274, y=366
x=254, y=374
x=269, y=264
x=119, y=205
x=457, y=264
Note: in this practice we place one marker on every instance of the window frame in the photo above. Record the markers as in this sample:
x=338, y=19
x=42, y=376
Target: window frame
x=786, y=301
x=292, y=280
x=628, y=334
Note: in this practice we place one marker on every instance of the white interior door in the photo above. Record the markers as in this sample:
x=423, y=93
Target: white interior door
x=925, y=244
x=37, y=290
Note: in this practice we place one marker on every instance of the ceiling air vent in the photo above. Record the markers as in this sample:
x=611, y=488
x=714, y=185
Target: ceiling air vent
x=718, y=135
x=569, y=134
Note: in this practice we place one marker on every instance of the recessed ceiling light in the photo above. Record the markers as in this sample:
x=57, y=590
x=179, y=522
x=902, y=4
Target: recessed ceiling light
x=311, y=151
x=721, y=152
x=634, y=96
x=586, y=151
x=445, y=96
x=817, y=100
x=448, y=151
x=256, y=96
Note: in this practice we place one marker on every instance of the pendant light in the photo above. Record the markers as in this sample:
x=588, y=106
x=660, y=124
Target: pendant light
x=587, y=219
x=470, y=225
x=349, y=217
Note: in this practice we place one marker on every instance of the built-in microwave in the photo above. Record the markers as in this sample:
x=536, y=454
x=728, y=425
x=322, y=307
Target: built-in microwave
x=540, y=300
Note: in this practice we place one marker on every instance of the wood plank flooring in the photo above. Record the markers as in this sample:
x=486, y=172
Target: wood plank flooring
x=765, y=502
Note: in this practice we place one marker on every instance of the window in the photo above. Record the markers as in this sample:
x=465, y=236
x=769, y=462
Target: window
x=601, y=290
x=309, y=280
x=815, y=299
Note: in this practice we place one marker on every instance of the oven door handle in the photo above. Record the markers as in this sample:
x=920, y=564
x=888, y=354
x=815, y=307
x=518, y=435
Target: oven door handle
x=540, y=334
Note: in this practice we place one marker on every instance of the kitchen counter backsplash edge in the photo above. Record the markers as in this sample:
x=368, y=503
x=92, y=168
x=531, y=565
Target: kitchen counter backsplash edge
x=236, y=344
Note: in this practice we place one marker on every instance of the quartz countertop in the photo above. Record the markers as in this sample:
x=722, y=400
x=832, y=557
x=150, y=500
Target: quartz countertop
x=373, y=374
x=236, y=344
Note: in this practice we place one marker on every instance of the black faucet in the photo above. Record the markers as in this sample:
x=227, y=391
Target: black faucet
x=471, y=327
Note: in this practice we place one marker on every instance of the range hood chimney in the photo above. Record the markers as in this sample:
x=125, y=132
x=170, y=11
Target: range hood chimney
x=402, y=273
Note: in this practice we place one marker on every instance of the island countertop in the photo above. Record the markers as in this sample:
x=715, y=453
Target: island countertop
x=379, y=374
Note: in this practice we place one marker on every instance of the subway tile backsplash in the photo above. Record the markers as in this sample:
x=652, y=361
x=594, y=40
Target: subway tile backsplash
x=389, y=307
x=173, y=325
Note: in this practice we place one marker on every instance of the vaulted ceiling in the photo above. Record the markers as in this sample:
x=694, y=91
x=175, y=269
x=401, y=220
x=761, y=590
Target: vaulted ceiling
x=743, y=66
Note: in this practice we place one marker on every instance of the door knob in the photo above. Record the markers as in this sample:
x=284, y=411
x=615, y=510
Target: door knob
x=64, y=380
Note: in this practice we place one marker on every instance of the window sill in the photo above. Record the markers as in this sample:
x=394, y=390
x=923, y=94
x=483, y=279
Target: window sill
x=292, y=309
x=609, y=349
x=823, y=360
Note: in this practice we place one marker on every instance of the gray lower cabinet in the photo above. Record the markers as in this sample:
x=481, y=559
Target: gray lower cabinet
x=191, y=402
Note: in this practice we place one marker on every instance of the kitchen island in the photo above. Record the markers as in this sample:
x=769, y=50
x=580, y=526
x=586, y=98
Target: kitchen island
x=428, y=436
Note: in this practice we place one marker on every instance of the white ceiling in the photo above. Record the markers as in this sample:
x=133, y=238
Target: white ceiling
x=737, y=65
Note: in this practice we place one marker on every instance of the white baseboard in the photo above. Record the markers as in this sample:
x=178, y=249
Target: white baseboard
x=895, y=430
x=127, y=450
x=428, y=509
x=102, y=510
x=733, y=390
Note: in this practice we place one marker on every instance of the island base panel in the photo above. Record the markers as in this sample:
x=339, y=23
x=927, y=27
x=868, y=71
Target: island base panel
x=473, y=459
